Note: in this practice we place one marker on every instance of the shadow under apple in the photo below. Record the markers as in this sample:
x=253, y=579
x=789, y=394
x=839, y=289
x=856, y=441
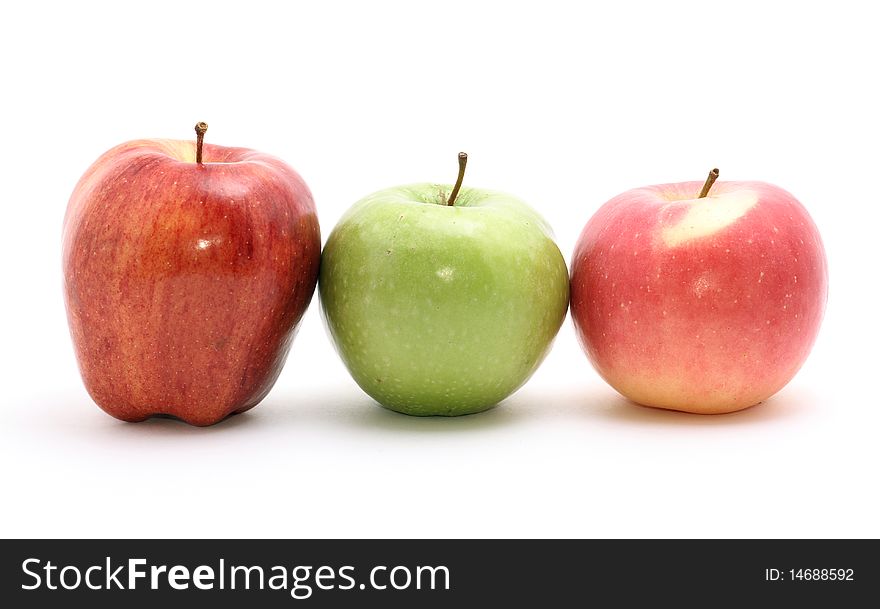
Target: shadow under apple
x=375, y=416
x=83, y=416
x=611, y=406
x=348, y=407
x=169, y=424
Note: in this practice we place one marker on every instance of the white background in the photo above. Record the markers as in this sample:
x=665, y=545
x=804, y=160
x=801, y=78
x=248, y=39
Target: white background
x=562, y=104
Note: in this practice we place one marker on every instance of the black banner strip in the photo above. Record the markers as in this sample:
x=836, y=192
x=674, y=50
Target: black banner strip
x=436, y=573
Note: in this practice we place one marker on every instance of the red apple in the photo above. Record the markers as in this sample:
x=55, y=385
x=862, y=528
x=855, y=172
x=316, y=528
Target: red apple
x=185, y=278
x=705, y=304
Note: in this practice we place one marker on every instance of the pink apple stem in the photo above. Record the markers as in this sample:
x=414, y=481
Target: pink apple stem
x=201, y=127
x=462, y=163
x=713, y=175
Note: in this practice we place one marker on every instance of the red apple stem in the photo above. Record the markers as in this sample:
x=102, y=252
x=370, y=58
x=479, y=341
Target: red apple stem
x=201, y=127
x=713, y=175
x=462, y=163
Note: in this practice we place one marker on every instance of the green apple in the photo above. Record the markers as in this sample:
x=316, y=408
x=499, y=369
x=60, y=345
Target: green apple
x=442, y=300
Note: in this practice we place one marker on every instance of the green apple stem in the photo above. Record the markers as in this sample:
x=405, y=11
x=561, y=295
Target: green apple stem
x=201, y=127
x=713, y=175
x=462, y=163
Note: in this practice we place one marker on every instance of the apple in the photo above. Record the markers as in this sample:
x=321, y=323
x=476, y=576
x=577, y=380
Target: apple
x=442, y=300
x=187, y=269
x=705, y=303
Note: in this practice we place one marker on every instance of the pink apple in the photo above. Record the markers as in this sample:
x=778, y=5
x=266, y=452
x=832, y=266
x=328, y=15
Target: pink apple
x=186, y=272
x=705, y=305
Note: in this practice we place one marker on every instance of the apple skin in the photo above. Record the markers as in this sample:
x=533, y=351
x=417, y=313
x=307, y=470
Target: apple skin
x=442, y=310
x=184, y=283
x=701, y=305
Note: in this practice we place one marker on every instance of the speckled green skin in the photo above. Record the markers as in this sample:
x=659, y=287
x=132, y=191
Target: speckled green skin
x=440, y=310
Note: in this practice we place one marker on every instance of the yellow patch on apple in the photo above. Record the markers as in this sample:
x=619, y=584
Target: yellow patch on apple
x=708, y=215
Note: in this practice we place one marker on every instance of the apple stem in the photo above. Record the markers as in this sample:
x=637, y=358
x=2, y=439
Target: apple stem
x=462, y=163
x=201, y=127
x=713, y=175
